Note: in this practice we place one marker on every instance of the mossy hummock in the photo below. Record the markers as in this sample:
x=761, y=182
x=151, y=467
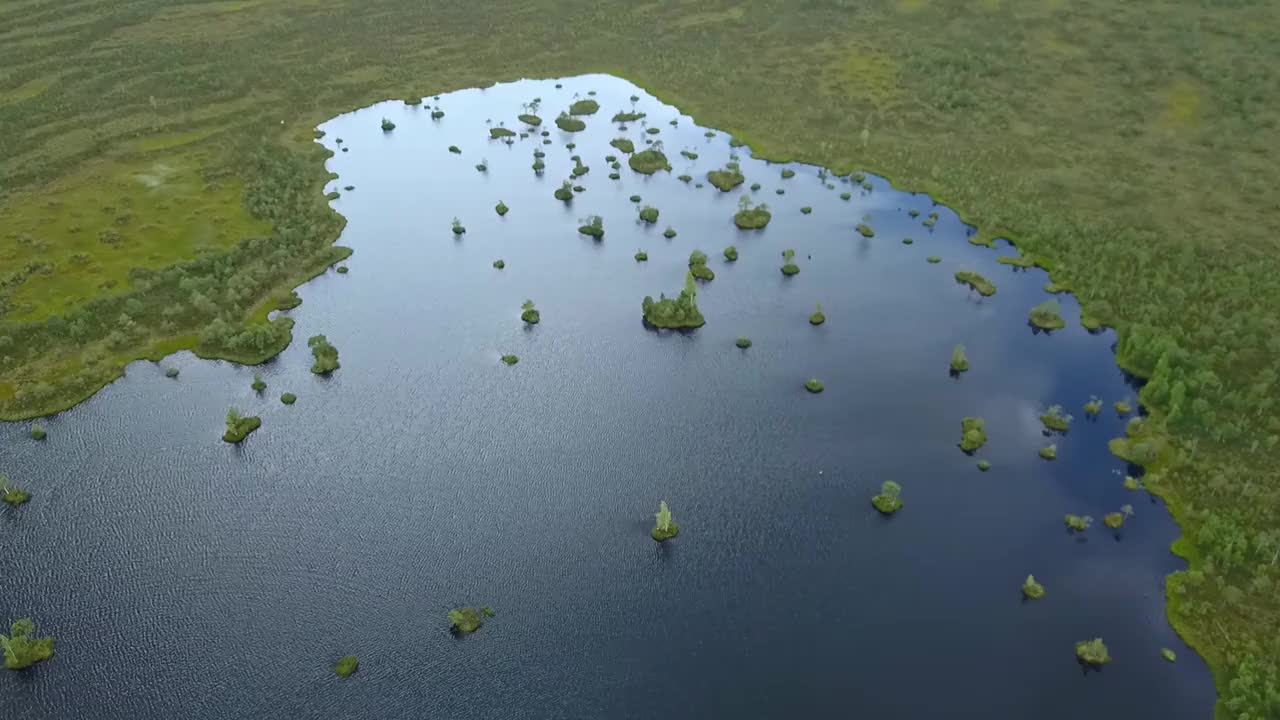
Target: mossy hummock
x=973, y=434
x=288, y=398
x=648, y=161
x=1092, y=652
x=726, y=179
x=984, y=286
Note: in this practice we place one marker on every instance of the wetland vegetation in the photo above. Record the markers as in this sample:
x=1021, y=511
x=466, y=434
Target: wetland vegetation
x=937, y=89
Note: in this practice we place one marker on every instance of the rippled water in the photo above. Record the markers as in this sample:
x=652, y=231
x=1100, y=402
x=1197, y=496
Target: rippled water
x=185, y=578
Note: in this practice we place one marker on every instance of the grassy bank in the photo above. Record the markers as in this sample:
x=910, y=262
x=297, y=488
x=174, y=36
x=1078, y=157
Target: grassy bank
x=1132, y=144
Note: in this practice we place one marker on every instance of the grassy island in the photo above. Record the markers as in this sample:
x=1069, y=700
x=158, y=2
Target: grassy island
x=664, y=527
x=347, y=665
x=1130, y=482
x=258, y=383
x=1078, y=523
x=498, y=133
x=1047, y=316
x=1054, y=419
x=171, y=372
x=584, y=107
x=731, y=253
x=457, y=227
x=973, y=434
x=387, y=125
x=21, y=650
x=1122, y=407
x=529, y=314
x=1049, y=452
x=934, y=259
x=743, y=342
x=680, y=312
x=624, y=145
x=570, y=124
x=787, y=174
x=325, y=354
x=959, y=361
x=455, y=149
x=649, y=214
x=564, y=192
x=726, y=179
x=499, y=264
x=1092, y=652
x=38, y=432
x=343, y=270
x=642, y=256
x=984, y=465
x=814, y=385
x=1093, y=408
x=1168, y=654
x=817, y=318
x=1031, y=589
x=12, y=494
x=626, y=117
x=889, y=501
x=288, y=398
x=751, y=217
x=239, y=427
x=510, y=359
x=698, y=266
x=975, y=281
x=465, y=620
x=789, y=266
x=669, y=233
x=501, y=208
x=865, y=230
x=593, y=226
x=529, y=119
x=806, y=210
x=648, y=161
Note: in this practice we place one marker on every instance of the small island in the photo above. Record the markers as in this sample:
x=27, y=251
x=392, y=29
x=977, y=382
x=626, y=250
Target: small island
x=865, y=230
x=730, y=253
x=817, y=318
x=669, y=233
x=564, y=192
x=501, y=208
x=626, y=117
x=387, y=125
x=642, y=256
x=649, y=214
x=973, y=434
x=1130, y=482
x=1049, y=452
x=171, y=372
x=1092, y=652
x=12, y=494
x=500, y=132
x=976, y=282
x=727, y=179
x=38, y=432
x=648, y=162
x=814, y=385
x=1168, y=654
x=959, y=361
x=593, y=226
x=624, y=145
x=1054, y=419
x=325, y=354
x=21, y=650
x=465, y=620
x=751, y=217
x=984, y=465
x=1077, y=523
x=510, y=359
x=933, y=259
x=680, y=312
x=1115, y=520
x=1047, y=316
x=570, y=124
x=584, y=107
x=664, y=528
x=529, y=119
x=239, y=427
x=806, y=210
x=889, y=501
x=458, y=229
x=347, y=665
x=788, y=173
x=789, y=266
x=499, y=263
x=1031, y=589
x=743, y=342
x=698, y=266
x=1093, y=408
x=288, y=398
x=529, y=314
x=455, y=149
x=1122, y=407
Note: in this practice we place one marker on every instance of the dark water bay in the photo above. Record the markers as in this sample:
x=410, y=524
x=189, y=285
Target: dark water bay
x=186, y=578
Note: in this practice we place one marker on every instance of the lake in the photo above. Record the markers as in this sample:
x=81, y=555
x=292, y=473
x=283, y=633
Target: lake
x=187, y=578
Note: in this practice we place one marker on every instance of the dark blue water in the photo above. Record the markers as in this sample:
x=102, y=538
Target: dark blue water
x=186, y=578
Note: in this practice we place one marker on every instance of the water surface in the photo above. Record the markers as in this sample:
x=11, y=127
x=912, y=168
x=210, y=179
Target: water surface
x=185, y=578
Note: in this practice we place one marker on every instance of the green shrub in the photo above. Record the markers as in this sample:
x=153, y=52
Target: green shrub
x=1078, y=523
x=664, y=527
x=679, y=312
x=455, y=150
x=12, y=494
x=731, y=253
x=788, y=174
x=749, y=217
x=458, y=229
x=593, y=226
x=959, y=361
x=38, y=432
x=258, y=383
x=726, y=179
x=499, y=263
x=1049, y=452
x=500, y=132
x=1054, y=419
x=641, y=256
